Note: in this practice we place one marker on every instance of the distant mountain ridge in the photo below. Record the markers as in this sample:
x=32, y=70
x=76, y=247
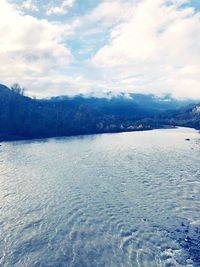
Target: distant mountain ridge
x=145, y=101
x=187, y=117
x=23, y=117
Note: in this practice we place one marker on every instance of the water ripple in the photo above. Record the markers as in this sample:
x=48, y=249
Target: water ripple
x=129, y=199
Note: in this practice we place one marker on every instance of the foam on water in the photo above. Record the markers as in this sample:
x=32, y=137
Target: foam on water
x=129, y=199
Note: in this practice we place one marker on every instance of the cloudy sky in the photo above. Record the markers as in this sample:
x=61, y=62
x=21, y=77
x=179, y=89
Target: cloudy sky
x=65, y=47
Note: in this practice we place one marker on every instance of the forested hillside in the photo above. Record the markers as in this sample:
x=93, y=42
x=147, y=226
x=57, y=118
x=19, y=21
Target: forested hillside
x=187, y=117
x=24, y=117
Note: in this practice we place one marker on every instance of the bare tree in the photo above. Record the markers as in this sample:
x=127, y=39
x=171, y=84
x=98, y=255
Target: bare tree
x=17, y=89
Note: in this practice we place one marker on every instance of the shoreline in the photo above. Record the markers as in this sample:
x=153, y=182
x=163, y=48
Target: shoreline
x=12, y=138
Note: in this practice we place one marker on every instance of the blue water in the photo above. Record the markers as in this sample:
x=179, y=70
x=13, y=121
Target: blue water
x=128, y=199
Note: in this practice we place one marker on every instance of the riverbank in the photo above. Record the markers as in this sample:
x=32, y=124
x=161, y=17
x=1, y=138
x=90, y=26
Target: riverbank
x=12, y=138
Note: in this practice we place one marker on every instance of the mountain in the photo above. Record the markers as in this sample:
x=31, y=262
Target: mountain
x=187, y=117
x=23, y=117
x=129, y=103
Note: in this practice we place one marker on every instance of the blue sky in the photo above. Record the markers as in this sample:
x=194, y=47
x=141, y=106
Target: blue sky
x=73, y=46
x=196, y=4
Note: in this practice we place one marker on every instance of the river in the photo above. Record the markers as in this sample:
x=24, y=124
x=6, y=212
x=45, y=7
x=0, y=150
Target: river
x=125, y=199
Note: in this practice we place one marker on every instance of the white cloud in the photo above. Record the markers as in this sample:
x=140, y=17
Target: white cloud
x=29, y=5
x=111, y=11
x=106, y=15
x=158, y=47
x=146, y=46
x=68, y=3
x=30, y=48
x=62, y=9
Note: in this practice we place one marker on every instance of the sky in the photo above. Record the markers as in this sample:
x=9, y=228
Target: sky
x=68, y=47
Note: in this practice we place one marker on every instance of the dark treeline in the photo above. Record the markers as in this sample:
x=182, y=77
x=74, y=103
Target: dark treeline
x=24, y=117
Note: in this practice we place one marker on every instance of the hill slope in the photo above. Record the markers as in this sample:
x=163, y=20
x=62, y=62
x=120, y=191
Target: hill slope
x=187, y=117
x=24, y=117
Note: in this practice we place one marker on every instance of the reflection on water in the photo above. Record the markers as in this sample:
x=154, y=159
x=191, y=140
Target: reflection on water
x=128, y=199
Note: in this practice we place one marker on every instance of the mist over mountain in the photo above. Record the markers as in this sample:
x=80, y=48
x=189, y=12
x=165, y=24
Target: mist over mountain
x=24, y=117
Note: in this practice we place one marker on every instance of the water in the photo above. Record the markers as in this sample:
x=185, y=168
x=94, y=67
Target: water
x=128, y=199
